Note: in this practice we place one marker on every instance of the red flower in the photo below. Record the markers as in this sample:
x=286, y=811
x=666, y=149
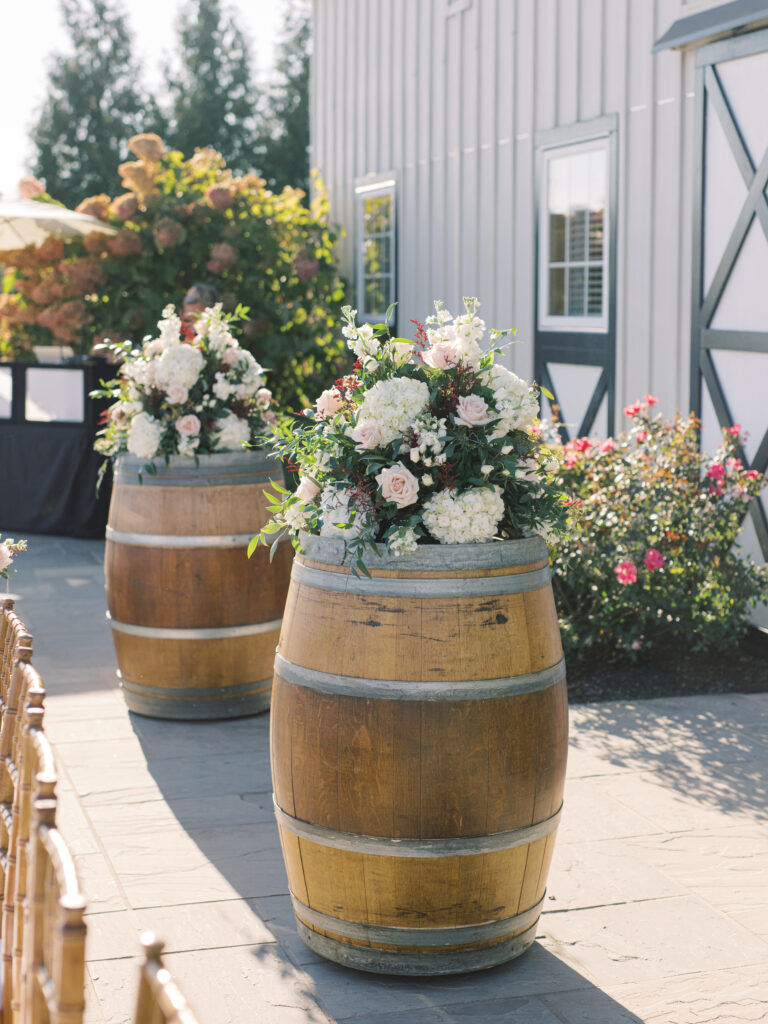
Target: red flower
x=653, y=559
x=716, y=471
x=626, y=572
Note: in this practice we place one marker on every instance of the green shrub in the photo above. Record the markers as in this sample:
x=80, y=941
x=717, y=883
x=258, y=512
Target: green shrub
x=651, y=561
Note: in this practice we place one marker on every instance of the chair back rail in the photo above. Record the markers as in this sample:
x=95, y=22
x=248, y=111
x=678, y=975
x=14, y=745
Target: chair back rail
x=36, y=781
x=159, y=999
x=13, y=635
x=54, y=938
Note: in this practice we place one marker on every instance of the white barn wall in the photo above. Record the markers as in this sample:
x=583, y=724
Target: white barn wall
x=452, y=105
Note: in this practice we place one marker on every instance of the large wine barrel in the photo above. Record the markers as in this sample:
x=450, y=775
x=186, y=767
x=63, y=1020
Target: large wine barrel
x=419, y=733
x=194, y=621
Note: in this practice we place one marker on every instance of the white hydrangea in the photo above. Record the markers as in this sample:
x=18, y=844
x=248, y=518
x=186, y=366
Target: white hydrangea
x=144, y=436
x=394, y=405
x=403, y=542
x=179, y=364
x=471, y=517
x=334, y=506
x=231, y=433
x=515, y=400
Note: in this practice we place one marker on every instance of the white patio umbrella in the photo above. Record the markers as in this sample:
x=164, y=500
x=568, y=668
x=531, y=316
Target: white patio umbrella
x=28, y=221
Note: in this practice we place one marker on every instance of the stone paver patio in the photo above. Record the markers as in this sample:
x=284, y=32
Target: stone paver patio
x=657, y=908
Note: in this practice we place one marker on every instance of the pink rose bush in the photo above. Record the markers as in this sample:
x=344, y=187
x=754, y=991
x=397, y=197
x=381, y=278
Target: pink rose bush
x=653, y=557
x=426, y=442
x=181, y=395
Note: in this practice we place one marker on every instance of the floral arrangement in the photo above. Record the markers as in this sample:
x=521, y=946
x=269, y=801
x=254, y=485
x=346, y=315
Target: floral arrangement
x=8, y=549
x=654, y=560
x=429, y=441
x=189, y=391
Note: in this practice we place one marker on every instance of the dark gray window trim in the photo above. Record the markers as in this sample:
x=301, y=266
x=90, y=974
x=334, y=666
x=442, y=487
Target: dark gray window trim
x=582, y=348
x=706, y=24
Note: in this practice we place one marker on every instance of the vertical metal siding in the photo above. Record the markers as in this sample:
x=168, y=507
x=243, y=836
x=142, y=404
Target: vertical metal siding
x=452, y=105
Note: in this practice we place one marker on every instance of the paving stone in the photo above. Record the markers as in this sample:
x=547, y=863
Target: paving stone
x=183, y=927
x=201, y=865
x=731, y=996
x=97, y=879
x=653, y=939
x=186, y=813
x=510, y=1011
x=600, y=873
x=590, y=813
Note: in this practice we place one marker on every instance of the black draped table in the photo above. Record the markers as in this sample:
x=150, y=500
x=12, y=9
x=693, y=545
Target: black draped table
x=48, y=469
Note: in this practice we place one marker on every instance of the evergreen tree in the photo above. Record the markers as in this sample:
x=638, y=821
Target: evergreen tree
x=94, y=104
x=283, y=142
x=213, y=99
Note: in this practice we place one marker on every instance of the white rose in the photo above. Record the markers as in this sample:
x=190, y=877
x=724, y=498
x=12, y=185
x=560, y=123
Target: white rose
x=176, y=394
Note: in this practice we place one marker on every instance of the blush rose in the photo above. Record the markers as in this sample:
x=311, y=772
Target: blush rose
x=398, y=485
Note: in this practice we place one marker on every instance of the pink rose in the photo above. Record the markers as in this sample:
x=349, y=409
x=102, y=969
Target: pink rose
x=626, y=572
x=735, y=430
x=653, y=559
x=633, y=410
x=651, y=399
x=642, y=435
x=329, y=402
x=398, y=485
x=472, y=411
x=443, y=355
x=734, y=465
x=716, y=471
x=5, y=556
x=608, y=445
x=367, y=433
x=188, y=426
x=176, y=394
x=307, y=489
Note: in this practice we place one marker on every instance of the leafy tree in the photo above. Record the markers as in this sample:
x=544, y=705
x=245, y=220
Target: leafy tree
x=283, y=140
x=94, y=103
x=213, y=99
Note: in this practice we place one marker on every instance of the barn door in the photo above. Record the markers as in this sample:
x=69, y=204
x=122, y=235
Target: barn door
x=729, y=324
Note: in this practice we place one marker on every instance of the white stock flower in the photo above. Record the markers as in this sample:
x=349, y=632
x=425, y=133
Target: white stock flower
x=471, y=517
x=230, y=433
x=169, y=327
x=144, y=436
x=179, y=364
x=394, y=405
x=514, y=399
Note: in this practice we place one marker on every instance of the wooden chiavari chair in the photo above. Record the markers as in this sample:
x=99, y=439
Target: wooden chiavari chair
x=23, y=677
x=54, y=934
x=159, y=1000
x=13, y=635
x=36, y=781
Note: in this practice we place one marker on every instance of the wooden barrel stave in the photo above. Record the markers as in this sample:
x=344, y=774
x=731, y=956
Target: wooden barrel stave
x=194, y=622
x=372, y=760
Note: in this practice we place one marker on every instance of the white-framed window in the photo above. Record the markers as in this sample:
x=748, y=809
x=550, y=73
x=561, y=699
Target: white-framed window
x=376, y=256
x=573, y=237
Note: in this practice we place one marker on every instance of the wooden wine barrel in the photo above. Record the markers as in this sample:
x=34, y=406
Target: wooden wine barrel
x=419, y=735
x=194, y=621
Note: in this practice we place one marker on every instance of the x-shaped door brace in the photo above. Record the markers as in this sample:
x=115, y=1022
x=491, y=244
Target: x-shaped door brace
x=755, y=205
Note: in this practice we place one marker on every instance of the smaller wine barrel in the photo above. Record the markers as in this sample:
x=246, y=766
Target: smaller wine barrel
x=418, y=739
x=194, y=621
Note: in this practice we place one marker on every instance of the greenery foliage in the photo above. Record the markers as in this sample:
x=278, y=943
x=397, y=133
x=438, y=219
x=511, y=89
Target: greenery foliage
x=652, y=562
x=180, y=221
x=93, y=104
